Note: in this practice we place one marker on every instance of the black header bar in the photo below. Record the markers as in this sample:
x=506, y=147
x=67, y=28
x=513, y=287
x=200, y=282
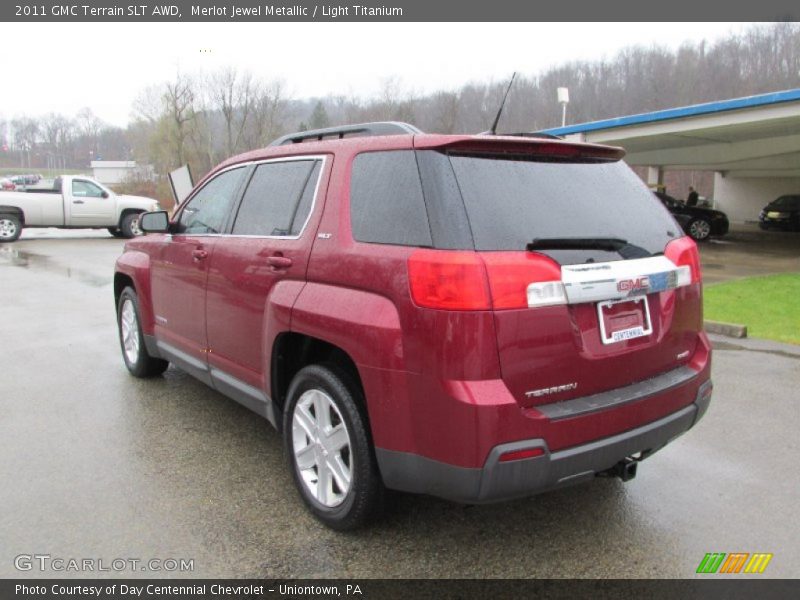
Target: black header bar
x=401, y=11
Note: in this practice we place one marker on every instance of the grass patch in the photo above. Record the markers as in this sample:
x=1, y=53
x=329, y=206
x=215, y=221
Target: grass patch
x=769, y=306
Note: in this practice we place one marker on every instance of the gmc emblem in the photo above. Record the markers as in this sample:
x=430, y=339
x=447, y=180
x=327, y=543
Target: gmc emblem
x=632, y=285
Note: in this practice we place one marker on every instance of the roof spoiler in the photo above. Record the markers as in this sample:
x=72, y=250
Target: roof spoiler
x=527, y=145
x=358, y=130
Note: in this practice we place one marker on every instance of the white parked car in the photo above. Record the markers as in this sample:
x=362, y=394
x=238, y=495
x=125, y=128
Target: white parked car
x=72, y=202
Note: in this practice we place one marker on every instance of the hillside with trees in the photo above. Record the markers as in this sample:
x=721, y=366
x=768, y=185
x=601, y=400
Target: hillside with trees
x=202, y=119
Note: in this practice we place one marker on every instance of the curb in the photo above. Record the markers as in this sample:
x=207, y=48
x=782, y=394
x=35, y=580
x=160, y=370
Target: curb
x=727, y=329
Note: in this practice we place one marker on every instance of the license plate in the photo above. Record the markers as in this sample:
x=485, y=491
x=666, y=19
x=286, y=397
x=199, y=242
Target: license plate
x=622, y=320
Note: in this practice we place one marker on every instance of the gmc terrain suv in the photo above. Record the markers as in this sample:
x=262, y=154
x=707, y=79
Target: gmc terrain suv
x=473, y=317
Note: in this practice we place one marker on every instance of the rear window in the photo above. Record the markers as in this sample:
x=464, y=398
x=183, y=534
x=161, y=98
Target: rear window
x=510, y=202
x=499, y=202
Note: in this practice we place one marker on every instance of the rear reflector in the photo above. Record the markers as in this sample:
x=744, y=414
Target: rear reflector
x=683, y=252
x=521, y=454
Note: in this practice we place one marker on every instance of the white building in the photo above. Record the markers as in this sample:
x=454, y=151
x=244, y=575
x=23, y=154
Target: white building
x=113, y=172
x=751, y=144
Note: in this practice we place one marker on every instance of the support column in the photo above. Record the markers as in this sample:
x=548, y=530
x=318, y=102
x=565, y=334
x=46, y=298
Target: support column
x=655, y=178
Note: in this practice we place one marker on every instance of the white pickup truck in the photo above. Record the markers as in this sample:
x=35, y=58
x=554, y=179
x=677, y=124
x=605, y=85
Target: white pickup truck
x=72, y=202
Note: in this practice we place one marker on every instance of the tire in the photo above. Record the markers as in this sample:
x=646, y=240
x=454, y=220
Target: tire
x=345, y=448
x=131, y=338
x=10, y=228
x=129, y=226
x=115, y=231
x=699, y=229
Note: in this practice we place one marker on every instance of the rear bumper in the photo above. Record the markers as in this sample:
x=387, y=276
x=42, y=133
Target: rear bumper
x=498, y=480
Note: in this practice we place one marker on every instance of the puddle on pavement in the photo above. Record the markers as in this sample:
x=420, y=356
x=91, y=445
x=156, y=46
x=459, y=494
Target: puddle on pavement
x=31, y=260
x=737, y=347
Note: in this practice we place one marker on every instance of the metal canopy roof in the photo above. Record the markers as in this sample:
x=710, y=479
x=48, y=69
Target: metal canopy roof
x=756, y=136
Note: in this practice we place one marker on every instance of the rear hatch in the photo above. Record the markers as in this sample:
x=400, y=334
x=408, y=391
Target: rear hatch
x=592, y=284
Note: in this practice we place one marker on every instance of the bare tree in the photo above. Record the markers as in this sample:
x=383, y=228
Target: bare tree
x=26, y=133
x=269, y=115
x=179, y=97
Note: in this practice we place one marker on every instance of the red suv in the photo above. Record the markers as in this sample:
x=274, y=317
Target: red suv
x=473, y=317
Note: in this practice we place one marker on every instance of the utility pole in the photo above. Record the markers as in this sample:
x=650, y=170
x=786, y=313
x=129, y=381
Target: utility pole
x=563, y=99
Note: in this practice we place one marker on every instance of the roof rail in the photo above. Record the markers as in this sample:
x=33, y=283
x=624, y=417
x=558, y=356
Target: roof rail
x=359, y=130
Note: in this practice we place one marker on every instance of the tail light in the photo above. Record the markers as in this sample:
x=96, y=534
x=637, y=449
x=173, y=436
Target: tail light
x=448, y=280
x=683, y=252
x=453, y=280
x=523, y=279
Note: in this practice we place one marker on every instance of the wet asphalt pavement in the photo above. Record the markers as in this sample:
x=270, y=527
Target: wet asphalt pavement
x=97, y=464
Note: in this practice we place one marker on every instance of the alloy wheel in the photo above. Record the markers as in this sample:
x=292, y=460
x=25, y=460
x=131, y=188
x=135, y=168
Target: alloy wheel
x=129, y=328
x=322, y=450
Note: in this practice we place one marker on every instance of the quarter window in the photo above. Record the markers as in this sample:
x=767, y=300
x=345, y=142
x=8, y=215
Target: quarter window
x=278, y=199
x=208, y=210
x=386, y=202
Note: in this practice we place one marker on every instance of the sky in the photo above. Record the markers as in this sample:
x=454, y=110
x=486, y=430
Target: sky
x=106, y=66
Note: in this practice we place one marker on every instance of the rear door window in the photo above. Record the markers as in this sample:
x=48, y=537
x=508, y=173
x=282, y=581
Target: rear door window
x=278, y=199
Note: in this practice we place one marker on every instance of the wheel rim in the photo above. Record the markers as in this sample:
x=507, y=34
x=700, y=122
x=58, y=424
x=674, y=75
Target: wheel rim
x=129, y=329
x=700, y=229
x=8, y=229
x=135, y=229
x=321, y=446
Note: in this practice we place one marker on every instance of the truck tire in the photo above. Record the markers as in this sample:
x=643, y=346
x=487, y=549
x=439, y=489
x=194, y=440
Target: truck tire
x=131, y=338
x=129, y=225
x=328, y=448
x=115, y=231
x=10, y=228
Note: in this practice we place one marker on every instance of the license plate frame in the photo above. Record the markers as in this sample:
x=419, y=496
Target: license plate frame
x=630, y=333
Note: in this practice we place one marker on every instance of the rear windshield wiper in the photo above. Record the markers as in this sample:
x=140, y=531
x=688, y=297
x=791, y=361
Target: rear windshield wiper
x=623, y=247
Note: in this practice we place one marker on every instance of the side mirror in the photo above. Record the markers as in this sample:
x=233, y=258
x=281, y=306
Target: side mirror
x=104, y=194
x=154, y=222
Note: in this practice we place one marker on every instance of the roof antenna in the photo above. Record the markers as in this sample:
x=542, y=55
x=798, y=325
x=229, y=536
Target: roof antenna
x=493, y=130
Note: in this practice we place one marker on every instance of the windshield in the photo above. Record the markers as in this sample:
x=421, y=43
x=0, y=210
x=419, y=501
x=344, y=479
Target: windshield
x=511, y=202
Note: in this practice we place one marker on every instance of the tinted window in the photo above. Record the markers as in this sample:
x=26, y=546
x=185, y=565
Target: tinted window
x=386, y=203
x=86, y=189
x=788, y=202
x=208, y=210
x=278, y=198
x=510, y=202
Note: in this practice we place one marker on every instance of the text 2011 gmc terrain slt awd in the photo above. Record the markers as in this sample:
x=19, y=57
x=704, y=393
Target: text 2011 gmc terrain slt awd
x=473, y=317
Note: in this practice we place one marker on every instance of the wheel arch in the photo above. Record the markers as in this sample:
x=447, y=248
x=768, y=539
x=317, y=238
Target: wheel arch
x=133, y=269
x=13, y=210
x=291, y=351
x=127, y=211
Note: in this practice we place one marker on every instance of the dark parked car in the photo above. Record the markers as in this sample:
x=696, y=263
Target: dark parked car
x=474, y=317
x=783, y=213
x=698, y=222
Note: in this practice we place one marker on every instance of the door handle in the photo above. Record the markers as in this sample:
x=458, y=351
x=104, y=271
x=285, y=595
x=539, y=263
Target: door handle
x=77, y=201
x=199, y=254
x=279, y=262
